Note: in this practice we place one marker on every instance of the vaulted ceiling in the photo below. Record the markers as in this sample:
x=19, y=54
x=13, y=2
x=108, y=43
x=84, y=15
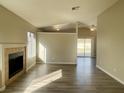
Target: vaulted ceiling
x=42, y=13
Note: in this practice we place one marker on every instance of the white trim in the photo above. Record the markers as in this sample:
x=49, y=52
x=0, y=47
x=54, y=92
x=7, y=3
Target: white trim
x=40, y=62
x=2, y=88
x=57, y=33
x=114, y=77
x=30, y=67
x=60, y=63
x=76, y=28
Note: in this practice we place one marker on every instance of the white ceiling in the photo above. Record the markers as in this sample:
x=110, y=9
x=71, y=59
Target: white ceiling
x=42, y=13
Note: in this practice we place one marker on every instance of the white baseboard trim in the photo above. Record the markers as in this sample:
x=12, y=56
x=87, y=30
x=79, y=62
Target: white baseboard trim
x=30, y=67
x=60, y=63
x=2, y=88
x=39, y=62
x=114, y=77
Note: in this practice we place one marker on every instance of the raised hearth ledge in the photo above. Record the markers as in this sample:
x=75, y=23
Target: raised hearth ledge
x=2, y=88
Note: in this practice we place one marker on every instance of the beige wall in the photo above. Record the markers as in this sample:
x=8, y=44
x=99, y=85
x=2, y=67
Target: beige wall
x=60, y=48
x=0, y=66
x=85, y=33
x=0, y=79
x=110, y=40
x=13, y=30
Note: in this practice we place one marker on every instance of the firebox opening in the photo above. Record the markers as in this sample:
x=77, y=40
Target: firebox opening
x=15, y=63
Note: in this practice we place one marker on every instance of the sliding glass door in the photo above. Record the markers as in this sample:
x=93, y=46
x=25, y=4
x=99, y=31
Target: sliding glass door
x=84, y=47
x=81, y=47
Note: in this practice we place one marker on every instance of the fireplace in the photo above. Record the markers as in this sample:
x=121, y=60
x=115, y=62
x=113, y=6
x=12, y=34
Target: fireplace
x=15, y=63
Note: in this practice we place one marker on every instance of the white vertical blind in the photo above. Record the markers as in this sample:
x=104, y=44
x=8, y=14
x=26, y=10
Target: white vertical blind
x=84, y=47
x=31, y=44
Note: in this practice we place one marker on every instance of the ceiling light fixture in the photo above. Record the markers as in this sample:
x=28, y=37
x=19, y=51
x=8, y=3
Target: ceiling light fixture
x=93, y=28
x=57, y=27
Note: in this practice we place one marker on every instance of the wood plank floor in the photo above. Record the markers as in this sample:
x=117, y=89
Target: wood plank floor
x=83, y=78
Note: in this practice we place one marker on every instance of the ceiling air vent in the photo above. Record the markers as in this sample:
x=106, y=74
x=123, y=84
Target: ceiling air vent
x=75, y=8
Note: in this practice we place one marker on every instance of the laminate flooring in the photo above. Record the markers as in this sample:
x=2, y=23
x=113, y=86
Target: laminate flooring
x=81, y=78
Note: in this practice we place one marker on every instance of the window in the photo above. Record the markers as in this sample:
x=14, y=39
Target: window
x=31, y=44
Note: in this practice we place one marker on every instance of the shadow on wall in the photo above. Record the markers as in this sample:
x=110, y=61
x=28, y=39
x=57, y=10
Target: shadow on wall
x=42, y=53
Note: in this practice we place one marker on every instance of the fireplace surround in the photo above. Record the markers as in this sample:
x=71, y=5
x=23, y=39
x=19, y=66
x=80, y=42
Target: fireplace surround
x=14, y=63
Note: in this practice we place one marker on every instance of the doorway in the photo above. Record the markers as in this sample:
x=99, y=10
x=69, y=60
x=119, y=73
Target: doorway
x=84, y=47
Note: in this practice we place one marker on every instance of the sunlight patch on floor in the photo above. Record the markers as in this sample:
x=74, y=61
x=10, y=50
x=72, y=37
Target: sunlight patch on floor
x=43, y=81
